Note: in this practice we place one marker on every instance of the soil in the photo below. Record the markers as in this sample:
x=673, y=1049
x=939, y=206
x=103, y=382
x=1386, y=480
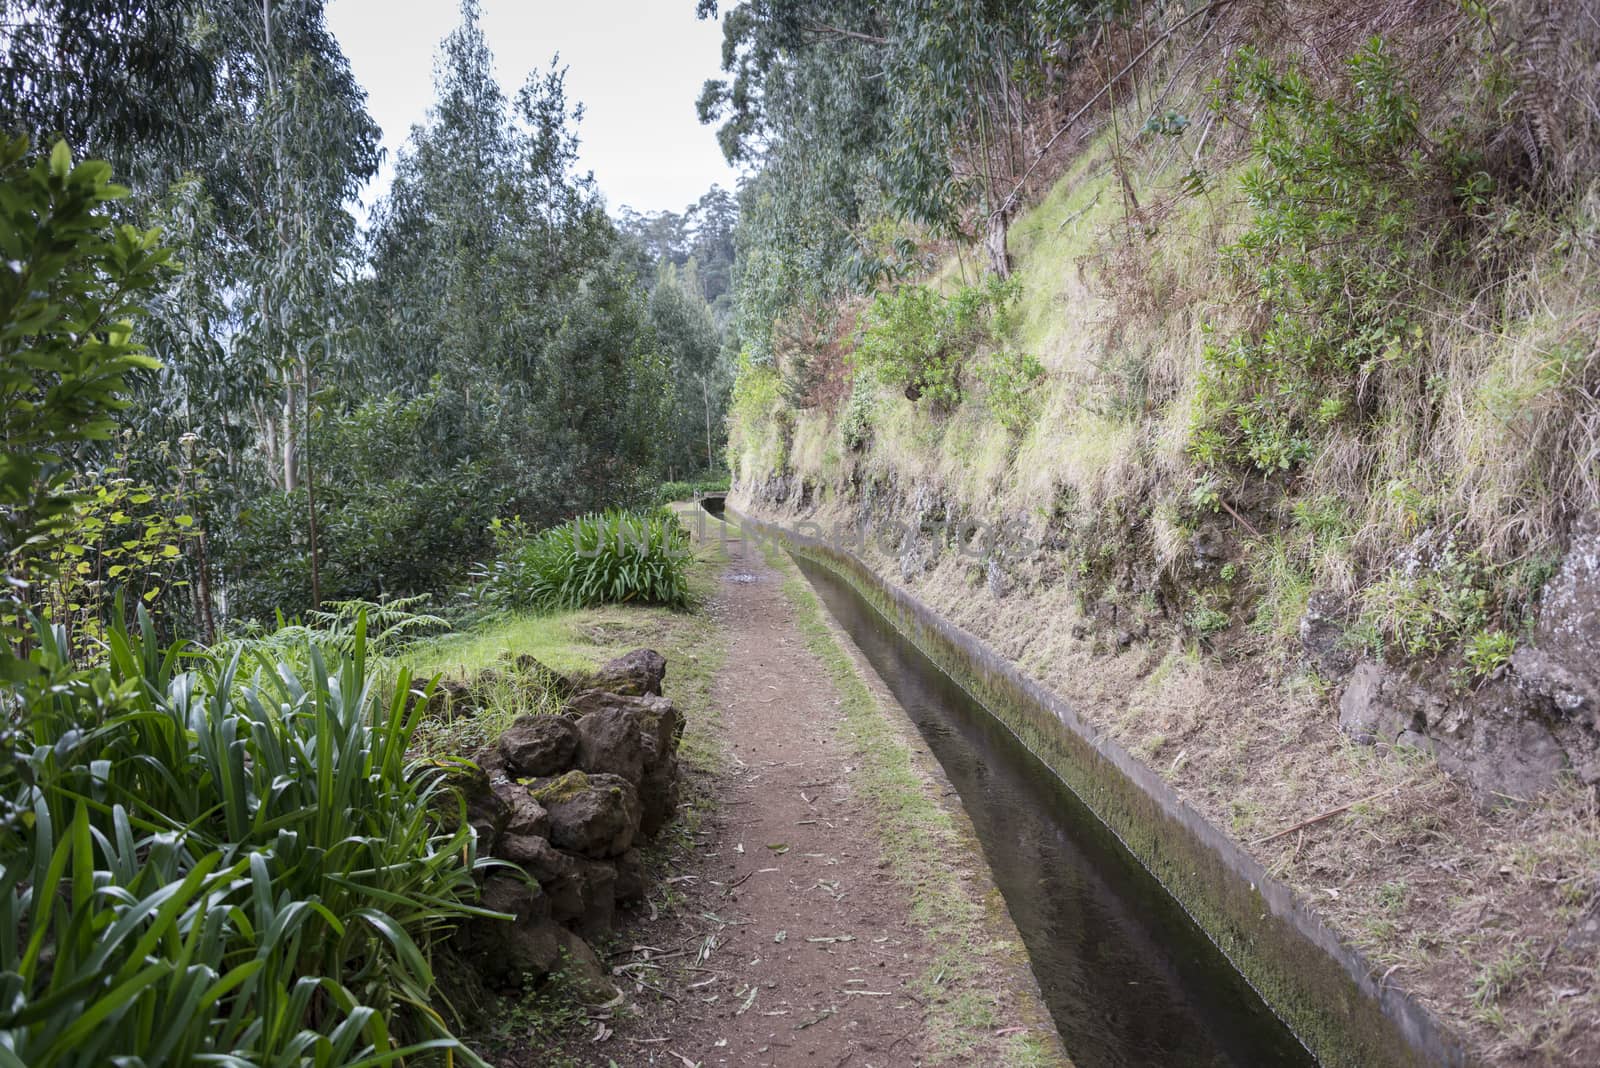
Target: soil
x=778, y=933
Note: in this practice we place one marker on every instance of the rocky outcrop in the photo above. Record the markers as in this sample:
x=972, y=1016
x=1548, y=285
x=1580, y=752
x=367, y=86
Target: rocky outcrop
x=567, y=797
x=1512, y=735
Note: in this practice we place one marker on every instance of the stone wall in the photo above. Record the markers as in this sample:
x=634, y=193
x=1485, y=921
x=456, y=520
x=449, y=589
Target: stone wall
x=566, y=799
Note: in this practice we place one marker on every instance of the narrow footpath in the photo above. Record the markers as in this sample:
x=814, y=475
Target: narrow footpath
x=790, y=935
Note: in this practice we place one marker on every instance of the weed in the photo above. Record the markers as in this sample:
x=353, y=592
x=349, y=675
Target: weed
x=1502, y=976
x=1488, y=650
x=855, y=425
x=1207, y=620
x=1425, y=607
x=1393, y=895
x=1336, y=201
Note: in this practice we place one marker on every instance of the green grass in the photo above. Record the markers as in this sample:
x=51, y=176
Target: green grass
x=918, y=836
x=580, y=640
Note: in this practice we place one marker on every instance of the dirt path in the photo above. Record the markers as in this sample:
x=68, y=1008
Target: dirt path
x=794, y=929
x=822, y=902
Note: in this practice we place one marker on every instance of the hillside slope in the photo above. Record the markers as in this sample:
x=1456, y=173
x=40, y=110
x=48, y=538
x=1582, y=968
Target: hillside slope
x=1277, y=457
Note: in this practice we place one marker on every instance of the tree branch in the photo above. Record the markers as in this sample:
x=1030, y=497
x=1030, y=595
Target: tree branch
x=834, y=31
x=1010, y=201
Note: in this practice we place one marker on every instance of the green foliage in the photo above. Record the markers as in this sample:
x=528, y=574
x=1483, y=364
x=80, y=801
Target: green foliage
x=700, y=374
x=860, y=112
x=855, y=425
x=1343, y=189
x=687, y=491
x=756, y=417
x=205, y=865
x=1011, y=380
x=126, y=538
x=1487, y=651
x=70, y=284
x=1207, y=620
x=613, y=557
x=917, y=341
x=1428, y=606
x=384, y=629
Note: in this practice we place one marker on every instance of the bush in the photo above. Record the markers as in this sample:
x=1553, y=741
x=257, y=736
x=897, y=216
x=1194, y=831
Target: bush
x=917, y=341
x=405, y=491
x=1345, y=189
x=613, y=557
x=855, y=425
x=1010, y=381
x=200, y=865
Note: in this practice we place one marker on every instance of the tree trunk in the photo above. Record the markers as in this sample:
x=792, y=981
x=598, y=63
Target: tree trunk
x=995, y=243
x=291, y=449
x=705, y=395
x=311, y=493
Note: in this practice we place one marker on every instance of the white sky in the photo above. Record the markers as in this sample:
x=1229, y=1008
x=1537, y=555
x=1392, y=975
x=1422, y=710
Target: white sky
x=636, y=65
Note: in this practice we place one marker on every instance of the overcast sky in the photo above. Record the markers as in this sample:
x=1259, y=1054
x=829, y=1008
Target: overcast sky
x=636, y=65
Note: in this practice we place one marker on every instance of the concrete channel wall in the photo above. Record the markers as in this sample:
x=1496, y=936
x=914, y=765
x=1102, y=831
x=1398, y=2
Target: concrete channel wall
x=1322, y=988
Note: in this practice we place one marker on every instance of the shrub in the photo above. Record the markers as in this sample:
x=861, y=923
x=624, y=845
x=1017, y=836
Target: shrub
x=917, y=341
x=405, y=491
x=1341, y=194
x=71, y=284
x=613, y=557
x=250, y=870
x=1010, y=381
x=855, y=424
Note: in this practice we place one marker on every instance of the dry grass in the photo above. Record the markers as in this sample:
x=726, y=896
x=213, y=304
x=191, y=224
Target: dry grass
x=1475, y=912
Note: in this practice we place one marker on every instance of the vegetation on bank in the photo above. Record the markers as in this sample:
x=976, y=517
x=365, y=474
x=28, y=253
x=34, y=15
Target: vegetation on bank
x=1311, y=288
x=1334, y=312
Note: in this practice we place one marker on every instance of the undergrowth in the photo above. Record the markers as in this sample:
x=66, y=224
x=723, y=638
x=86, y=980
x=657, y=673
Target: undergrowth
x=220, y=857
x=614, y=557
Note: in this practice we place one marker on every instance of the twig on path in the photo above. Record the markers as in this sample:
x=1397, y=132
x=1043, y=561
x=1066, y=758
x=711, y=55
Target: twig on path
x=827, y=1012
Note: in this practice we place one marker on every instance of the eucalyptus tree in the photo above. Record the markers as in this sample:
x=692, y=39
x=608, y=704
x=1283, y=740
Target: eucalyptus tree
x=858, y=111
x=700, y=373
x=498, y=283
x=264, y=216
x=115, y=78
